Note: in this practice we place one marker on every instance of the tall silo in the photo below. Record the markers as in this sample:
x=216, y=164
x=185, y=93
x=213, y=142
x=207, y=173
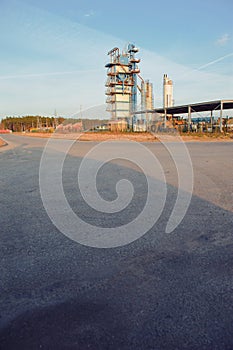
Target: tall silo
x=167, y=92
x=147, y=100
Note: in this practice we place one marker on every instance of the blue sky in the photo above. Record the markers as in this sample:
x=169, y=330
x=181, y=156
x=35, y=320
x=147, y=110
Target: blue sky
x=53, y=52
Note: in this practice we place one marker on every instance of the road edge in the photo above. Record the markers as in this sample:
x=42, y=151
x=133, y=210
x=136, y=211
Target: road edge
x=3, y=142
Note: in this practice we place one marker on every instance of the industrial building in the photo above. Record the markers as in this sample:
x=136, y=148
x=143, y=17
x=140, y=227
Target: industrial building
x=123, y=89
x=122, y=99
x=167, y=92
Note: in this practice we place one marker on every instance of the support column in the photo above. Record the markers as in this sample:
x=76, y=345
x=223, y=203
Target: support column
x=211, y=120
x=220, y=124
x=189, y=117
x=165, y=118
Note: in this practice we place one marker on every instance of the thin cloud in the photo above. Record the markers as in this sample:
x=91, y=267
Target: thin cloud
x=215, y=61
x=89, y=14
x=223, y=40
x=34, y=75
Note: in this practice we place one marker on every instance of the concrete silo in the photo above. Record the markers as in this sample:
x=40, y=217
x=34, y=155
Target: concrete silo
x=167, y=92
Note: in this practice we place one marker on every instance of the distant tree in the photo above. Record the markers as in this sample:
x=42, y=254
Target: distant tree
x=28, y=122
x=25, y=123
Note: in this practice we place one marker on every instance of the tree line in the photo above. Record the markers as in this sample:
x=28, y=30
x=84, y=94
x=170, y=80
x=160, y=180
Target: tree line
x=29, y=122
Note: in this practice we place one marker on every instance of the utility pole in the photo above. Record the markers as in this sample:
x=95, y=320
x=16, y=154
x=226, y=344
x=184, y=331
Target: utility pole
x=55, y=119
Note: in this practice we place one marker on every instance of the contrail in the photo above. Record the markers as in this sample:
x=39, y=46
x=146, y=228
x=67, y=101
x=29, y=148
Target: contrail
x=34, y=75
x=215, y=61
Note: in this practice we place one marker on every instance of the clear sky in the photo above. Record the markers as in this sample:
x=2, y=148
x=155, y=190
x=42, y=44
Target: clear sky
x=53, y=52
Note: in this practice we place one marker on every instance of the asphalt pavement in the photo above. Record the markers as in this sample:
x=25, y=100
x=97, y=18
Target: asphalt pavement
x=161, y=291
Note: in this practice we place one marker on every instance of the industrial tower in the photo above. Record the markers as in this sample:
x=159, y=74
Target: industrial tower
x=167, y=92
x=122, y=72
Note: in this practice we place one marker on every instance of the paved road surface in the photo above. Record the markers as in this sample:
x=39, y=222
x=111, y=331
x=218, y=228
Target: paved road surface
x=163, y=291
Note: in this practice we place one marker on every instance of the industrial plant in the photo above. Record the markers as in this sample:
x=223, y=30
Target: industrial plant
x=130, y=103
x=128, y=112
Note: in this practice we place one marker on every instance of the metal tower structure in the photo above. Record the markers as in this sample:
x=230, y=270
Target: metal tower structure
x=134, y=70
x=122, y=71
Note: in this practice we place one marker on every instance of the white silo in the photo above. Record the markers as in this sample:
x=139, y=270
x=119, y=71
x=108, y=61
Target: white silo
x=167, y=92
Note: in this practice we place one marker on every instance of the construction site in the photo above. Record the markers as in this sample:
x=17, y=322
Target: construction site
x=130, y=101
